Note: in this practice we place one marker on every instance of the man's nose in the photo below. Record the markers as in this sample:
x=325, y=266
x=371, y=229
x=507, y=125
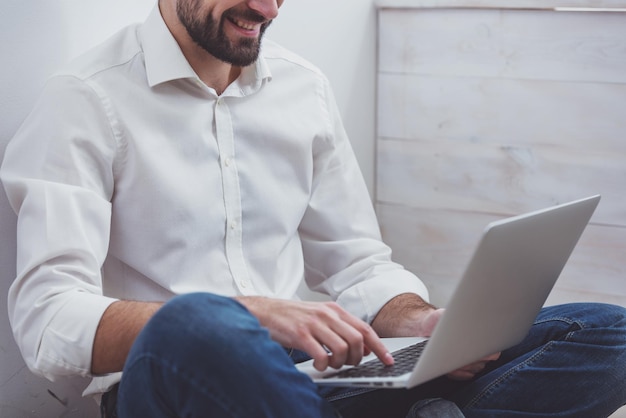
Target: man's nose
x=266, y=8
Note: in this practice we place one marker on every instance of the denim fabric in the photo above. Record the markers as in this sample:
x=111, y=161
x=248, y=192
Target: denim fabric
x=205, y=355
x=573, y=364
x=435, y=408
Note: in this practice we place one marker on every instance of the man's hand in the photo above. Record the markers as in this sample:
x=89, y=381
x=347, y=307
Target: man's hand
x=471, y=370
x=464, y=373
x=408, y=315
x=329, y=334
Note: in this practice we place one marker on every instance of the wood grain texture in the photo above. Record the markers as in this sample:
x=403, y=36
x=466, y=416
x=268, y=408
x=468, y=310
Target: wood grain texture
x=536, y=45
x=499, y=4
x=486, y=112
x=499, y=179
x=437, y=244
x=568, y=114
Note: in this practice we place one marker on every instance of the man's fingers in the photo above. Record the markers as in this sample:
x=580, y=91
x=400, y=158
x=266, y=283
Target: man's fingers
x=340, y=352
x=344, y=337
x=350, y=345
x=467, y=372
x=378, y=348
x=371, y=340
x=461, y=375
x=347, y=338
x=328, y=333
x=471, y=370
x=321, y=357
x=492, y=357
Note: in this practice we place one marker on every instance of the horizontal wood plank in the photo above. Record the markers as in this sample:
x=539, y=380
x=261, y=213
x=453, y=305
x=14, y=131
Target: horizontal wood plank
x=489, y=109
x=437, y=244
x=582, y=115
x=538, y=45
x=498, y=179
x=499, y=4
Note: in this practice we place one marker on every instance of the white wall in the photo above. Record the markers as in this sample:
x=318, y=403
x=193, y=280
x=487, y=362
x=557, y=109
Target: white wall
x=340, y=38
x=40, y=35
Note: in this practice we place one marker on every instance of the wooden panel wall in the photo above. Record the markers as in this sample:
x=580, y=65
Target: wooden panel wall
x=485, y=113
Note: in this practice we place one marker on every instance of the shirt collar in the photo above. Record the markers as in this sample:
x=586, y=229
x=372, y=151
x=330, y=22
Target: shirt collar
x=166, y=62
x=164, y=59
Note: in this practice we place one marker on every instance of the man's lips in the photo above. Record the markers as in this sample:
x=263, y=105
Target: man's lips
x=246, y=27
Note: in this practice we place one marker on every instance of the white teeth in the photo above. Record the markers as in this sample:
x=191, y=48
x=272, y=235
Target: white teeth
x=245, y=26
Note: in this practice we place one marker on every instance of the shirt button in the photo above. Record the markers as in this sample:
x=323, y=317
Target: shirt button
x=244, y=283
x=227, y=162
x=233, y=225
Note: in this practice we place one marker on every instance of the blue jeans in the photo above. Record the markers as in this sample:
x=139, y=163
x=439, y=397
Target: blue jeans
x=204, y=355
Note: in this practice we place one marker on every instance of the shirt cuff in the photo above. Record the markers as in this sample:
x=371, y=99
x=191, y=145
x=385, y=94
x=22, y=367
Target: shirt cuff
x=367, y=298
x=67, y=343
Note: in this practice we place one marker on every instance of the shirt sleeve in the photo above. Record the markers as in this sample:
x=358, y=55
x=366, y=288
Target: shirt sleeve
x=344, y=253
x=58, y=176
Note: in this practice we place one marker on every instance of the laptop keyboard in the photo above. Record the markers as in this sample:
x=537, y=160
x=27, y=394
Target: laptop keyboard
x=404, y=362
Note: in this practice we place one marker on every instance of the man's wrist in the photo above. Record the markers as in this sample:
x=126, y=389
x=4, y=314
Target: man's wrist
x=403, y=316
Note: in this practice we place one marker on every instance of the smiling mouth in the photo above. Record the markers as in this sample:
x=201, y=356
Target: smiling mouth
x=248, y=21
x=245, y=25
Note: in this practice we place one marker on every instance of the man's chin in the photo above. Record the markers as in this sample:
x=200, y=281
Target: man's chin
x=245, y=53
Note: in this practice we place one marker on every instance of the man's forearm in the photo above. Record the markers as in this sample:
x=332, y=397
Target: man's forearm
x=117, y=330
x=406, y=315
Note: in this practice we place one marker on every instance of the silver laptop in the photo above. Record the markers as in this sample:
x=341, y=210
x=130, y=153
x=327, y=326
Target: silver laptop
x=507, y=281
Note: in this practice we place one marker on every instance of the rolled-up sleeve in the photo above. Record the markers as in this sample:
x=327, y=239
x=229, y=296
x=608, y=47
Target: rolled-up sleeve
x=58, y=176
x=344, y=253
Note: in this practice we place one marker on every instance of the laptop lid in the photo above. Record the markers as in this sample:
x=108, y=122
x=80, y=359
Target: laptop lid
x=507, y=281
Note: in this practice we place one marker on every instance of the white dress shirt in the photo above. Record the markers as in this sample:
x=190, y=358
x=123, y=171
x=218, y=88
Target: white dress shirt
x=134, y=180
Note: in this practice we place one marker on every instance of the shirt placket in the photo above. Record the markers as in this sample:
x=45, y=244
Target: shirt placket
x=232, y=198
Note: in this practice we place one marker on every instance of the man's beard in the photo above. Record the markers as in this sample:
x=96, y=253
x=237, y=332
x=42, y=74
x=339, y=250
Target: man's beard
x=209, y=34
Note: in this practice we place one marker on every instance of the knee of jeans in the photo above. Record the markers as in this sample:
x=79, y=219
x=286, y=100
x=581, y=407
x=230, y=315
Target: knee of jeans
x=202, y=303
x=205, y=321
x=607, y=316
x=205, y=336
x=435, y=408
x=619, y=312
x=586, y=315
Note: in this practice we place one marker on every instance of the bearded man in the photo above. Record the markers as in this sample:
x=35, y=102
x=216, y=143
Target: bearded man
x=176, y=184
